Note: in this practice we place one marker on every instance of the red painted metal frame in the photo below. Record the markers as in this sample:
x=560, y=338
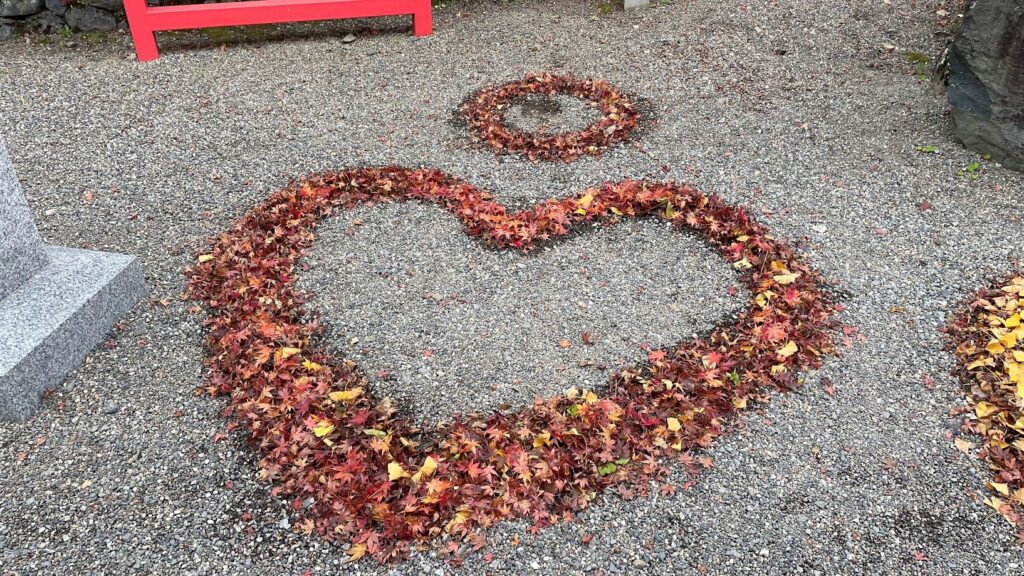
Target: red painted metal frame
x=145, y=20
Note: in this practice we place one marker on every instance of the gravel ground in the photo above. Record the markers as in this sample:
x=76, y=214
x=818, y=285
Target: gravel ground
x=460, y=327
x=554, y=114
x=797, y=108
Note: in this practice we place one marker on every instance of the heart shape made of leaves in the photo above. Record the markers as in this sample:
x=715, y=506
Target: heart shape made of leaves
x=357, y=469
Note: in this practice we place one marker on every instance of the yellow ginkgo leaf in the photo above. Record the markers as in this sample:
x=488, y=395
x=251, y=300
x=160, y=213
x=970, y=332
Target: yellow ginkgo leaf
x=323, y=428
x=963, y=445
x=1008, y=340
x=788, y=349
x=673, y=424
x=460, y=518
x=985, y=409
x=346, y=395
x=1018, y=496
x=1013, y=370
x=994, y=347
x=999, y=505
x=1000, y=487
x=425, y=471
x=585, y=200
x=981, y=362
x=763, y=298
x=205, y=258
x=1012, y=321
x=542, y=439
x=786, y=278
x=994, y=502
x=285, y=353
x=395, y=471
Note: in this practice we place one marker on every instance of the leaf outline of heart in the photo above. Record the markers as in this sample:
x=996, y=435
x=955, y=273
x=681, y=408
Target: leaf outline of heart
x=357, y=470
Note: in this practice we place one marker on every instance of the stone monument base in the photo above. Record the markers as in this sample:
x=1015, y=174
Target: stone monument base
x=50, y=322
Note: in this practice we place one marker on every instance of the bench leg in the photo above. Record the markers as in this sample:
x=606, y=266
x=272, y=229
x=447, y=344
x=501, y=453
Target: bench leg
x=145, y=45
x=422, y=23
x=142, y=35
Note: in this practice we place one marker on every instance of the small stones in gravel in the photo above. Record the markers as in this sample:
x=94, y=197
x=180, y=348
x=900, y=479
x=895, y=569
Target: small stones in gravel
x=554, y=114
x=491, y=329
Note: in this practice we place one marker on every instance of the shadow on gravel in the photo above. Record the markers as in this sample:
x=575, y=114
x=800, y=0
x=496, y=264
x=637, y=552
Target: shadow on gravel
x=262, y=34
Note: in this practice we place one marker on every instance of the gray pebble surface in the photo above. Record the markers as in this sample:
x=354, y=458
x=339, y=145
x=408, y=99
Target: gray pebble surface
x=555, y=114
x=806, y=111
x=445, y=325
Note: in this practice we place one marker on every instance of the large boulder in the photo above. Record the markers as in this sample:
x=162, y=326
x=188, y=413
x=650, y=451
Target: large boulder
x=986, y=80
x=109, y=5
x=20, y=7
x=58, y=7
x=89, y=19
x=6, y=29
x=46, y=22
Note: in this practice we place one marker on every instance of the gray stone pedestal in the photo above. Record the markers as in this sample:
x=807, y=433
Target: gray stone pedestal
x=56, y=303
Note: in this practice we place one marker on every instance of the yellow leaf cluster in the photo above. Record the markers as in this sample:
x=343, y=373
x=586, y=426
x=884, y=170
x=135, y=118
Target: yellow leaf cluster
x=991, y=353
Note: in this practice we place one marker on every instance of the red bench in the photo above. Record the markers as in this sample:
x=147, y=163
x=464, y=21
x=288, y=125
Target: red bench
x=145, y=20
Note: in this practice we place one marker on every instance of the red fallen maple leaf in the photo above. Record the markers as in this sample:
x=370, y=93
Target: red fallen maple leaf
x=774, y=332
x=378, y=481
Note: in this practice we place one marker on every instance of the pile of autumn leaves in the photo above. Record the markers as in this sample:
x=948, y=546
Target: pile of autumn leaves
x=484, y=114
x=357, y=470
x=989, y=346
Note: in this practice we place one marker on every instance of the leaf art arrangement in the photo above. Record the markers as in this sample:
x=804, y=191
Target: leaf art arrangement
x=988, y=340
x=484, y=114
x=357, y=470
